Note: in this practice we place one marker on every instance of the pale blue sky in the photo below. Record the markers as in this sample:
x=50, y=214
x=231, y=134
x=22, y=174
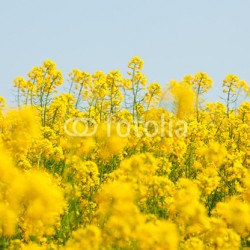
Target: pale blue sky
x=173, y=37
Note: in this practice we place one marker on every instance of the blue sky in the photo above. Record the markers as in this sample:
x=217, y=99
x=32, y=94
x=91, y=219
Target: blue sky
x=174, y=38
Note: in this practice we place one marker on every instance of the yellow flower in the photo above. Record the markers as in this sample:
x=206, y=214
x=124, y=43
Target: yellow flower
x=136, y=63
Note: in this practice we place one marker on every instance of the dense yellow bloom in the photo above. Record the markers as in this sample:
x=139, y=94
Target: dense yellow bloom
x=202, y=82
x=237, y=214
x=109, y=141
x=16, y=126
x=28, y=199
x=153, y=95
x=88, y=238
x=183, y=98
x=230, y=83
x=159, y=235
x=136, y=63
x=102, y=166
x=208, y=180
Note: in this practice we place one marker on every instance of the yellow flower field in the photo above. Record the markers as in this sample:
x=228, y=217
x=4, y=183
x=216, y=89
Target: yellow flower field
x=115, y=162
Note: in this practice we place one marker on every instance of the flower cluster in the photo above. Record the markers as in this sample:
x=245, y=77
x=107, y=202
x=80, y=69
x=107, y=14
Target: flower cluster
x=158, y=190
